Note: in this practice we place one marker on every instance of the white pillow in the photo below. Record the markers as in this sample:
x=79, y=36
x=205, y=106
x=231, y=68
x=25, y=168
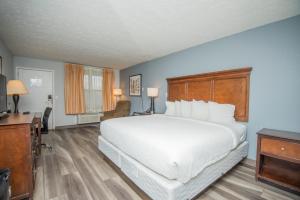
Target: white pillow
x=221, y=113
x=177, y=108
x=200, y=110
x=170, y=108
x=186, y=108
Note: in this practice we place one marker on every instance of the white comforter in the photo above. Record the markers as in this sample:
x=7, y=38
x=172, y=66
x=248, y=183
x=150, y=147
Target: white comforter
x=177, y=148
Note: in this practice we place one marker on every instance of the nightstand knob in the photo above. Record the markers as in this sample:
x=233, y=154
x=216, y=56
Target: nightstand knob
x=282, y=148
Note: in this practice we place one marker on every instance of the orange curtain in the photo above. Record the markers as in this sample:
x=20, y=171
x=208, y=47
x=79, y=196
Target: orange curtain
x=74, y=89
x=108, y=86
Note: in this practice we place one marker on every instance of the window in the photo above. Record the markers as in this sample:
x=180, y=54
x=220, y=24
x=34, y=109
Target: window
x=93, y=89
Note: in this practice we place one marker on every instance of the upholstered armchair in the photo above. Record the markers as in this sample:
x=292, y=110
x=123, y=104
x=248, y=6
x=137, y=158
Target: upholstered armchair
x=122, y=110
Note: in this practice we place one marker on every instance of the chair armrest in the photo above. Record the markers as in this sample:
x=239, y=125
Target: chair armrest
x=121, y=114
x=109, y=113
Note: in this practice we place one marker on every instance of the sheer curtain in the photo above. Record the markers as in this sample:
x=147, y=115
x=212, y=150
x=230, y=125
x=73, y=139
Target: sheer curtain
x=93, y=89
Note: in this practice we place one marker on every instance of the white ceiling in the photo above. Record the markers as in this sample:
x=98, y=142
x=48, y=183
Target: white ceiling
x=121, y=33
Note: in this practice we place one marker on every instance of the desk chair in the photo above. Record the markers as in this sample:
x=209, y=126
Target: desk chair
x=44, y=129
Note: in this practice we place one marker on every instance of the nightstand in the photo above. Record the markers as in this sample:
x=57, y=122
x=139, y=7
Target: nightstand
x=278, y=158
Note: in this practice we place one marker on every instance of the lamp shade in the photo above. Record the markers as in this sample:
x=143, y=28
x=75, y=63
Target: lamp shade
x=117, y=92
x=152, y=92
x=16, y=87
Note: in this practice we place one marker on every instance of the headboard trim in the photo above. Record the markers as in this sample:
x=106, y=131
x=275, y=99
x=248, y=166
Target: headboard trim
x=228, y=86
x=239, y=71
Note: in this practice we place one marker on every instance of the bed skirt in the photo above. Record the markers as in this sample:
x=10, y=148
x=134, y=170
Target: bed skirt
x=160, y=188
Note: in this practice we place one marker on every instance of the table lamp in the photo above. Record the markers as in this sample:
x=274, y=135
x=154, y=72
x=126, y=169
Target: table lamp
x=15, y=88
x=117, y=92
x=152, y=93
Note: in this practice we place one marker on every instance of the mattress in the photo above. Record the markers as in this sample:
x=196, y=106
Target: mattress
x=160, y=188
x=174, y=147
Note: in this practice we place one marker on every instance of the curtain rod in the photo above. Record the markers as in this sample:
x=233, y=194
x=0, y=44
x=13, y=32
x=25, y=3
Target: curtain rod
x=88, y=65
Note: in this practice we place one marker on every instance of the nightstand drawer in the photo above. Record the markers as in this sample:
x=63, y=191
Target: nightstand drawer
x=280, y=148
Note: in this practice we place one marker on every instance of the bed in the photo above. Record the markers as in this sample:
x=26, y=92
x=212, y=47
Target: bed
x=167, y=157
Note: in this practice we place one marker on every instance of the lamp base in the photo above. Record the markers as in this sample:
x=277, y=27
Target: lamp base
x=16, y=98
x=152, y=109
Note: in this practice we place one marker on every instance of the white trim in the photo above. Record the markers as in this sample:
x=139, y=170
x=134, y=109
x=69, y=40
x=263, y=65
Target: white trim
x=53, y=87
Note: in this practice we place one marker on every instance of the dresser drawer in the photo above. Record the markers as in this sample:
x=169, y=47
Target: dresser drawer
x=280, y=148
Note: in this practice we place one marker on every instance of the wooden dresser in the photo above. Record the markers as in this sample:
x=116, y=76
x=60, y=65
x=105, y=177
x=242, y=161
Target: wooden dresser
x=19, y=150
x=278, y=158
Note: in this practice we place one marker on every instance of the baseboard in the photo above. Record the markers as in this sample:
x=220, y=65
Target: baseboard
x=77, y=125
x=249, y=162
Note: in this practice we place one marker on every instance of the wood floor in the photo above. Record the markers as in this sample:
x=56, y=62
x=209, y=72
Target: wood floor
x=75, y=170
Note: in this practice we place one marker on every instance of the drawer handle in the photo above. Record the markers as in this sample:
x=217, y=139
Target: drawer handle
x=282, y=148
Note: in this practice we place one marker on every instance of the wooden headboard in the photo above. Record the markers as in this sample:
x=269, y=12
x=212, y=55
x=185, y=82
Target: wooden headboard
x=229, y=86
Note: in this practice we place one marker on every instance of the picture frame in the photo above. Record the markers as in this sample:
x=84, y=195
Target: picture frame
x=135, y=85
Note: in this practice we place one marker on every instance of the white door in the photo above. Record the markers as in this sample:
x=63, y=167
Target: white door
x=39, y=84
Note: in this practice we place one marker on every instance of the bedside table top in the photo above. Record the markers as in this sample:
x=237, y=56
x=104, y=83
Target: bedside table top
x=281, y=134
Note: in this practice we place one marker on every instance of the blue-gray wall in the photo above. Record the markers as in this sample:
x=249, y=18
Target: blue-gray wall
x=272, y=50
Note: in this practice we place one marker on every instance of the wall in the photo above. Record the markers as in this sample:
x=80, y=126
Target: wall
x=7, y=67
x=58, y=67
x=272, y=50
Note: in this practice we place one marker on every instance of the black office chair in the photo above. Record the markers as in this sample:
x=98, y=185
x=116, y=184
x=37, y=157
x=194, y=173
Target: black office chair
x=4, y=184
x=45, y=120
x=44, y=129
